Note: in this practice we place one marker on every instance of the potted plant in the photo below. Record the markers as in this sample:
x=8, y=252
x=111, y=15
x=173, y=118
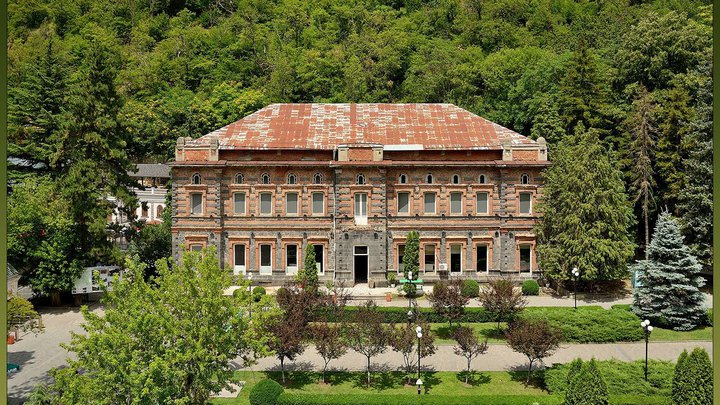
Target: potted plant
x=392, y=279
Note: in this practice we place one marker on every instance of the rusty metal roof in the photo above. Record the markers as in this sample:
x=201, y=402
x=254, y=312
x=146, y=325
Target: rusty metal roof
x=325, y=126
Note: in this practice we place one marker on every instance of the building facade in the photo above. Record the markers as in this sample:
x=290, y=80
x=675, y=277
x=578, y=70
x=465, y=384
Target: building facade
x=353, y=180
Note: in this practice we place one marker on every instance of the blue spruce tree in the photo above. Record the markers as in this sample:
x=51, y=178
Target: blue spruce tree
x=669, y=281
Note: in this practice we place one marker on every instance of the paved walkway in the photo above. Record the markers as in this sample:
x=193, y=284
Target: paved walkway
x=499, y=357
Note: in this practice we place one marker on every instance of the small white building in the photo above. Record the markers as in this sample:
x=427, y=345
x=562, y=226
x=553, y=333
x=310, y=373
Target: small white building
x=154, y=178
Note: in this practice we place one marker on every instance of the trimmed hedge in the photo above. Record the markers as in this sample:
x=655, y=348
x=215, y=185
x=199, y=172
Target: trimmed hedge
x=590, y=324
x=266, y=392
x=366, y=399
x=470, y=289
x=362, y=399
x=399, y=315
x=530, y=287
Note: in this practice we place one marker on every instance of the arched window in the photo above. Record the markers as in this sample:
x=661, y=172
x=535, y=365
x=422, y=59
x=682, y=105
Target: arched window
x=317, y=179
x=239, y=179
x=360, y=179
x=481, y=180
x=159, y=211
x=196, y=178
x=456, y=179
x=525, y=179
x=429, y=178
x=403, y=179
x=292, y=179
x=265, y=178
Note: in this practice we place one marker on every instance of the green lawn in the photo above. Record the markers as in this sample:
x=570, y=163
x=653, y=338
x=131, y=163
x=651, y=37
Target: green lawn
x=393, y=383
x=669, y=335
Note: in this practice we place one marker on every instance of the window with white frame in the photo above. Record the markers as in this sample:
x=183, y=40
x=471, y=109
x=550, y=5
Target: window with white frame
x=239, y=178
x=291, y=203
x=403, y=205
x=403, y=179
x=429, y=203
x=292, y=179
x=361, y=209
x=456, y=179
x=456, y=203
x=265, y=178
x=317, y=178
x=239, y=203
x=196, y=203
x=196, y=178
x=265, y=259
x=525, y=203
x=481, y=202
x=265, y=203
x=291, y=259
x=525, y=179
x=360, y=179
x=318, y=203
x=429, y=258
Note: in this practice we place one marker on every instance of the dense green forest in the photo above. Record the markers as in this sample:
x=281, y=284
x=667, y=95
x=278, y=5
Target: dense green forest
x=97, y=84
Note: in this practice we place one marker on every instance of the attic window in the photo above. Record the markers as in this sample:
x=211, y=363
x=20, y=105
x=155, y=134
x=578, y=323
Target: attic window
x=196, y=178
x=292, y=179
x=524, y=179
x=317, y=179
x=481, y=180
x=360, y=179
x=429, y=179
x=456, y=179
x=265, y=178
x=403, y=179
x=239, y=179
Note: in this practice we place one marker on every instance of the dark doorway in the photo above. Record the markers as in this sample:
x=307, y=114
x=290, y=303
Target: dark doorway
x=360, y=264
x=455, y=258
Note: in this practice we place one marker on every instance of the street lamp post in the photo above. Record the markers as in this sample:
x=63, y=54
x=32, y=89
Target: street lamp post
x=410, y=316
x=419, y=384
x=418, y=330
x=646, y=326
x=576, y=274
x=250, y=293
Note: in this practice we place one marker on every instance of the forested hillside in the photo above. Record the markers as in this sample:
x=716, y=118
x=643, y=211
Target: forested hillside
x=119, y=81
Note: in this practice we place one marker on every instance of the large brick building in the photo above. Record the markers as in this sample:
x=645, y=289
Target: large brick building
x=353, y=180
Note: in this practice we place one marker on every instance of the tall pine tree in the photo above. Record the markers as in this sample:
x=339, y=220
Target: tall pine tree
x=695, y=202
x=586, y=215
x=642, y=128
x=669, y=281
x=89, y=150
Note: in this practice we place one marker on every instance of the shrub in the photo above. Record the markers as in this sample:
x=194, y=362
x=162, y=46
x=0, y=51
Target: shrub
x=692, y=382
x=258, y=292
x=591, y=324
x=530, y=287
x=621, y=378
x=266, y=392
x=399, y=399
x=586, y=387
x=470, y=289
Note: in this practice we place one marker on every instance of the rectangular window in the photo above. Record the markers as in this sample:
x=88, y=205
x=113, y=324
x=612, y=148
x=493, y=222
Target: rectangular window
x=525, y=203
x=196, y=248
x=291, y=203
x=265, y=259
x=456, y=203
x=239, y=203
x=525, y=258
x=196, y=203
x=360, y=209
x=239, y=265
x=291, y=259
x=403, y=203
x=482, y=203
x=318, y=203
x=265, y=204
x=482, y=258
x=319, y=258
x=429, y=258
x=401, y=254
x=455, y=258
x=429, y=203
x=145, y=210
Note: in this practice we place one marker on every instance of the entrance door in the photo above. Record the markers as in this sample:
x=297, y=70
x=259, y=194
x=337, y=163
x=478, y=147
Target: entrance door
x=239, y=253
x=361, y=264
x=455, y=258
x=320, y=258
x=291, y=259
x=265, y=259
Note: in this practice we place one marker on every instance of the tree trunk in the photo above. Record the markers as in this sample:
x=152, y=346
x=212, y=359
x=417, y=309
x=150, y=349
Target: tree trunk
x=527, y=381
x=467, y=375
x=324, y=369
x=368, y=371
x=55, y=298
x=282, y=368
x=647, y=230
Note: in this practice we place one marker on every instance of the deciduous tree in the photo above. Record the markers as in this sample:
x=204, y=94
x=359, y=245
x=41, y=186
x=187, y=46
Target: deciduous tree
x=468, y=346
x=501, y=299
x=329, y=342
x=447, y=299
x=536, y=339
x=403, y=339
x=368, y=335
